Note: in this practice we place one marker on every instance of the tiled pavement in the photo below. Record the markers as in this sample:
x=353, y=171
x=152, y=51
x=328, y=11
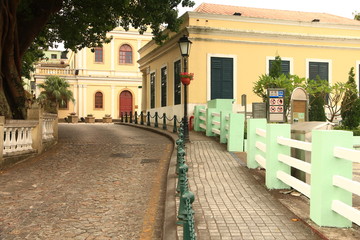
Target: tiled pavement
x=230, y=203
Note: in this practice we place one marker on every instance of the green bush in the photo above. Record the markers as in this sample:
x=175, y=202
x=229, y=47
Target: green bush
x=316, y=110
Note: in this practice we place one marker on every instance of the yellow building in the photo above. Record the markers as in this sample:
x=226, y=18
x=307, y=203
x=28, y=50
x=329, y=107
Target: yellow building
x=104, y=80
x=232, y=46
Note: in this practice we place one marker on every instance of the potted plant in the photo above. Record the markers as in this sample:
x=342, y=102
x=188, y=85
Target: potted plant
x=186, y=77
x=107, y=118
x=89, y=118
x=73, y=118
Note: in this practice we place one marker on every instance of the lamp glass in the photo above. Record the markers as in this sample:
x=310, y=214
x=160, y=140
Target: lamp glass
x=184, y=45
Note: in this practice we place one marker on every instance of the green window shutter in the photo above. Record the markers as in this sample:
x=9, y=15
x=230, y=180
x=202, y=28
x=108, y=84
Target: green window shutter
x=152, y=90
x=222, y=78
x=320, y=69
x=285, y=66
x=163, y=86
x=177, y=83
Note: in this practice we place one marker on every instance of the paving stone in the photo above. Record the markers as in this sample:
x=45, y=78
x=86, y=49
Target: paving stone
x=92, y=185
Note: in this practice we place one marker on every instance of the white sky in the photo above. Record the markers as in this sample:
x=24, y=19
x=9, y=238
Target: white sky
x=343, y=8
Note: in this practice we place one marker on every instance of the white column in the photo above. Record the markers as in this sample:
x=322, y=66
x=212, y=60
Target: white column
x=80, y=98
x=84, y=59
x=139, y=99
x=84, y=100
x=138, y=54
x=113, y=98
x=76, y=94
x=112, y=56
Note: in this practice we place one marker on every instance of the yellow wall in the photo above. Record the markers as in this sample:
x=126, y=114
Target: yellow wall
x=251, y=42
x=108, y=77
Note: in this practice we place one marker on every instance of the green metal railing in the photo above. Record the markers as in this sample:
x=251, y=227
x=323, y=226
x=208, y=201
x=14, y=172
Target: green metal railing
x=185, y=215
x=146, y=119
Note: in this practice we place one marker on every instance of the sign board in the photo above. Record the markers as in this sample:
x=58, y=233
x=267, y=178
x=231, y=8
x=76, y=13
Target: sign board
x=276, y=110
x=299, y=105
x=258, y=110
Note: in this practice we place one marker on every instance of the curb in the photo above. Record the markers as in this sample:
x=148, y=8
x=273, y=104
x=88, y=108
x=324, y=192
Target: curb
x=169, y=225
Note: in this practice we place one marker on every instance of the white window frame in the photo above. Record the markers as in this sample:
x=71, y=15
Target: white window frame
x=208, y=73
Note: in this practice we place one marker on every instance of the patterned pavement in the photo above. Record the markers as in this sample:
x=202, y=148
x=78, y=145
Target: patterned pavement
x=230, y=203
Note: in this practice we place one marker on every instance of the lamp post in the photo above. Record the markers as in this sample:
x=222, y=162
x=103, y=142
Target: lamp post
x=184, y=45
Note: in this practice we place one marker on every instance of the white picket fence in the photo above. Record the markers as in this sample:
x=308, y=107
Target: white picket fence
x=331, y=187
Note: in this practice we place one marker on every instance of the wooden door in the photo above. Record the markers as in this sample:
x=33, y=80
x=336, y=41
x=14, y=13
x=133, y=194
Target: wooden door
x=126, y=102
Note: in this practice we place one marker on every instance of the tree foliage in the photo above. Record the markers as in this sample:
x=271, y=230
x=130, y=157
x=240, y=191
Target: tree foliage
x=276, y=79
x=322, y=94
x=318, y=91
x=350, y=109
x=77, y=23
x=275, y=70
x=55, y=91
x=356, y=15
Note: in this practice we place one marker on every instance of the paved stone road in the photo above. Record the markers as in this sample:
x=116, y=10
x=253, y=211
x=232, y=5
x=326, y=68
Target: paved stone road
x=102, y=181
x=229, y=203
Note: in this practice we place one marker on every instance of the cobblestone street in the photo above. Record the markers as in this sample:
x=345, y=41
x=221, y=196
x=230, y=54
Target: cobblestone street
x=102, y=181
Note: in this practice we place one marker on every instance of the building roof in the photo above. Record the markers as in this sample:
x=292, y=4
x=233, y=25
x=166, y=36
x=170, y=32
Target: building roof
x=274, y=14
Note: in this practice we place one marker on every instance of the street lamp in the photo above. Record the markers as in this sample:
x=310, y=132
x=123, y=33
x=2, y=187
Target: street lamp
x=184, y=45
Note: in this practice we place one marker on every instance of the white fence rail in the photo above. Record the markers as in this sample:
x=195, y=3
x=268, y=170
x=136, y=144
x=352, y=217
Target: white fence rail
x=332, y=156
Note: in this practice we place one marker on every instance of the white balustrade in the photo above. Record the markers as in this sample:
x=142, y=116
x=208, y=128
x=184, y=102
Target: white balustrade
x=48, y=130
x=17, y=139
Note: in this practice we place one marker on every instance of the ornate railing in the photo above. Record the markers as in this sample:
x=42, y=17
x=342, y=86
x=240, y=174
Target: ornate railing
x=17, y=136
x=48, y=126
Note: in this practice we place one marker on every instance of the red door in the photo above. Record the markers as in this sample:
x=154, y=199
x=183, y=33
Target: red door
x=125, y=102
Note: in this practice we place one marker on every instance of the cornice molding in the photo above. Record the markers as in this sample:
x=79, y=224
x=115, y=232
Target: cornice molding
x=320, y=24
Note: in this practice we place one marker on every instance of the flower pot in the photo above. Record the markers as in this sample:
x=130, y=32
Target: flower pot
x=107, y=120
x=89, y=119
x=73, y=119
x=185, y=81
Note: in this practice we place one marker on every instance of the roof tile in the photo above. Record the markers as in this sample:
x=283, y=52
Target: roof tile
x=274, y=14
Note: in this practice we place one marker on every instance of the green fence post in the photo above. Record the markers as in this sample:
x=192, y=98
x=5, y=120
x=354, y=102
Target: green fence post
x=148, y=119
x=197, y=120
x=175, y=123
x=141, y=118
x=126, y=117
x=189, y=224
x=164, y=122
x=273, y=149
x=131, y=117
x=236, y=132
x=223, y=123
x=323, y=167
x=136, y=117
x=252, y=124
x=209, y=119
x=156, y=120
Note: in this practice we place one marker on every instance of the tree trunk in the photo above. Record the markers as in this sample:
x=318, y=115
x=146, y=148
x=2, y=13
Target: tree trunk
x=12, y=95
x=17, y=32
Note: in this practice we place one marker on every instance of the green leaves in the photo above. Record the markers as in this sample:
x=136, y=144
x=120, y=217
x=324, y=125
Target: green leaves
x=289, y=82
x=55, y=92
x=84, y=23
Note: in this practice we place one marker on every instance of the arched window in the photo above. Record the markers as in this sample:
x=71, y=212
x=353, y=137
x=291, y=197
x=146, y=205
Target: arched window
x=125, y=54
x=98, y=100
x=98, y=54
